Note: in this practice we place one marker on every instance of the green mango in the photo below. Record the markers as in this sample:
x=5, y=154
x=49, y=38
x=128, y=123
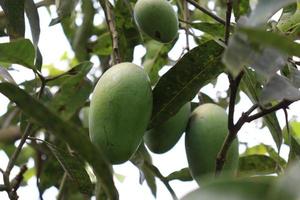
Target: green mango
x=206, y=132
x=157, y=19
x=162, y=138
x=120, y=111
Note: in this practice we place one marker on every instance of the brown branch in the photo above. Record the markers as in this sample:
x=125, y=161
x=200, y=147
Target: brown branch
x=234, y=84
x=106, y=6
x=228, y=18
x=207, y=12
x=2, y=188
x=245, y=118
x=15, y=183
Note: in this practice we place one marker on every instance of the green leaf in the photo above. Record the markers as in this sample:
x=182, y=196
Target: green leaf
x=138, y=159
x=19, y=51
x=73, y=92
x=277, y=89
x=256, y=165
x=14, y=12
x=84, y=31
x=182, y=175
x=74, y=166
x=266, y=61
x=68, y=132
x=292, y=139
x=287, y=187
x=274, y=40
x=289, y=19
x=5, y=75
x=156, y=58
x=252, y=87
x=238, y=189
x=241, y=7
x=34, y=22
x=64, y=8
x=264, y=10
x=103, y=46
x=184, y=80
x=214, y=29
x=266, y=150
x=128, y=33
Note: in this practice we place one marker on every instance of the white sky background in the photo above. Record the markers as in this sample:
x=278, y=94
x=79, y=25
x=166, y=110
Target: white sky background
x=53, y=44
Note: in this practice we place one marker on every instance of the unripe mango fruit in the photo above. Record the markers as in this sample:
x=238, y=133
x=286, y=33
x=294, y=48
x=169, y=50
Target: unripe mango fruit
x=206, y=132
x=162, y=138
x=157, y=19
x=120, y=110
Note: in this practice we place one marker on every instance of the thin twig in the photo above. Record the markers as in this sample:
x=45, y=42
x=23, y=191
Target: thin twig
x=112, y=28
x=245, y=118
x=228, y=18
x=282, y=105
x=207, y=12
x=16, y=153
x=62, y=186
x=163, y=179
x=186, y=27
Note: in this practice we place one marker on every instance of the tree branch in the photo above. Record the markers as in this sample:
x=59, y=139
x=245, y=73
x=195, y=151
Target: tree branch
x=207, y=12
x=245, y=118
x=112, y=28
x=228, y=18
x=234, y=84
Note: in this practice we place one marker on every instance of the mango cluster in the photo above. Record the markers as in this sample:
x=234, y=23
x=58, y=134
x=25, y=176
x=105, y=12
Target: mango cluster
x=121, y=108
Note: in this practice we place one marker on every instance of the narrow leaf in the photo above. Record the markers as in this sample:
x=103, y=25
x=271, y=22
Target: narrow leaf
x=5, y=75
x=240, y=53
x=138, y=159
x=277, y=89
x=73, y=92
x=70, y=133
x=18, y=52
x=214, y=29
x=182, y=175
x=274, y=40
x=74, y=166
x=256, y=165
x=128, y=33
x=34, y=22
x=14, y=12
x=184, y=80
x=64, y=8
x=156, y=58
x=264, y=10
x=241, y=7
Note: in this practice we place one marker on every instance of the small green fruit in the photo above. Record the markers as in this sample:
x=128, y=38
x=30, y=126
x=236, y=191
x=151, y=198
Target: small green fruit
x=120, y=110
x=162, y=138
x=157, y=19
x=205, y=135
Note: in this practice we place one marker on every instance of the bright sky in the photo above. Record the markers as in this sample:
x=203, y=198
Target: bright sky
x=53, y=44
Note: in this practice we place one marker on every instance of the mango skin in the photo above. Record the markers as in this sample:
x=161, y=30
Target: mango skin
x=162, y=138
x=120, y=110
x=157, y=19
x=207, y=129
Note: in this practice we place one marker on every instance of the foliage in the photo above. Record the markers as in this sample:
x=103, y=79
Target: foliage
x=43, y=120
